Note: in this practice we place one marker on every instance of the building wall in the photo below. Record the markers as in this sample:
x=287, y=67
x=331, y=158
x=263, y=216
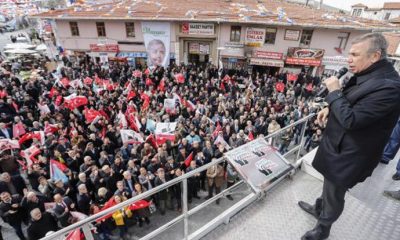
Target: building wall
x=380, y=13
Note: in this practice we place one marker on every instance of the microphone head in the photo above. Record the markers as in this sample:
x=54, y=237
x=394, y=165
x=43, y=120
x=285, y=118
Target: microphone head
x=342, y=72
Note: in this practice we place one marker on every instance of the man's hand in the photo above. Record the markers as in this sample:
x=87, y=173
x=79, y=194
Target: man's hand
x=332, y=83
x=323, y=117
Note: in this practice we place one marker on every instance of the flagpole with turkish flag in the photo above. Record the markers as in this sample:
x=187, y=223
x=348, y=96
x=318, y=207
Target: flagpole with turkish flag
x=189, y=159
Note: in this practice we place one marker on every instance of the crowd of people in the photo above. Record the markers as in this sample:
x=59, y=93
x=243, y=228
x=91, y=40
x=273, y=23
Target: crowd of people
x=81, y=163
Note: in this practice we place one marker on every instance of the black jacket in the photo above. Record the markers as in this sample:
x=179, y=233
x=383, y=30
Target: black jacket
x=360, y=122
x=38, y=229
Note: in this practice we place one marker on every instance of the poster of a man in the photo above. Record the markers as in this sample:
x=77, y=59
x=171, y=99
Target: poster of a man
x=157, y=41
x=156, y=53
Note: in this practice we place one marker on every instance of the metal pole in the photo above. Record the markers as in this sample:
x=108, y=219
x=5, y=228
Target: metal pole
x=303, y=131
x=185, y=208
x=87, y=232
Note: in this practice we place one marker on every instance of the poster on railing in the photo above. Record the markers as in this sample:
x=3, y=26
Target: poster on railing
x=258, y=163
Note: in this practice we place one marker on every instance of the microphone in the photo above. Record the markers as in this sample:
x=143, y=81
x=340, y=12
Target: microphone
x=339, y=74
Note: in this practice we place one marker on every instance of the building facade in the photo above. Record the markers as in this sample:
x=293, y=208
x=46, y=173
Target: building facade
x=266, y=44
x=388, y=11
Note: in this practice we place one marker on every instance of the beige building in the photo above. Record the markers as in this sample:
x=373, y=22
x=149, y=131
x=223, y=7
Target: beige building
x=268, y=36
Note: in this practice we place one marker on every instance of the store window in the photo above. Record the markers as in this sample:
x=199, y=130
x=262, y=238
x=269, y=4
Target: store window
x=270, y=35
x=305, y=39
x=130, y=29
x=74, y=28
x=101, y=29
x=235, y=33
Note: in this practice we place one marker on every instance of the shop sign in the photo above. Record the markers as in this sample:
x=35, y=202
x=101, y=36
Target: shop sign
x=304, y=56
x=104, y=48
x=198, y=28
x=267, y=54
x=234, y=45
x=255, y=37
x=266, y=62
x=194, y=48
x=204, y=48
x=292, y=35
x=335, y=60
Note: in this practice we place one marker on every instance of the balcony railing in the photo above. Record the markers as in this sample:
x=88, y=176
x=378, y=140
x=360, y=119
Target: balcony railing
x=293, y=155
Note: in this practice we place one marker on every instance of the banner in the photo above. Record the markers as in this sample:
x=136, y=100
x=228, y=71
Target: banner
x=255, y=37
x=162, y=128
x=304, y=56
x=131, y=137
x=198, y=28
x=258, y=163
x=157, y=41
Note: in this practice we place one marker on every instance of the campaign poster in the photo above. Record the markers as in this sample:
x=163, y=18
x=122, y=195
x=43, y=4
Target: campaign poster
x=258, y=163
x=157, y=42
x=255, y=37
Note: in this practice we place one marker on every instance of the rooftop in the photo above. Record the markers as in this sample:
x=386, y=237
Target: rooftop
x=391, y=5
x=359, y=5
x=272, y=12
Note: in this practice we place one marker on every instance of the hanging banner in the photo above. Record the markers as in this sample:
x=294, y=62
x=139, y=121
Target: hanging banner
x=157, y=41
x=255, y=37
x=258, y=163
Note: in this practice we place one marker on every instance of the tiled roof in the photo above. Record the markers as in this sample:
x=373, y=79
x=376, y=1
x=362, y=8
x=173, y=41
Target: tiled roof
x=395, y=20
x=393, y=40
x=271, y=12
x=391, y=5
x=359, y=5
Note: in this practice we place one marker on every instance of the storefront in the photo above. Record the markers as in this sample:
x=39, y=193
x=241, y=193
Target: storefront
x=232, y=56
x=102, y=52
x=303, y=60
x=197, y=43
x=265, y=62
x=138, y=59
x=332, y=64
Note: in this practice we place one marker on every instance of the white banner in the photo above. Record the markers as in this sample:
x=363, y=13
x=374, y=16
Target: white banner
x=157, y=41
x=162, y=128
x=255, y=37
x=130, y=136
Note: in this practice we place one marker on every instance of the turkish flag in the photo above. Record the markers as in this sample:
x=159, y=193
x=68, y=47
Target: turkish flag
x=53, y=92
x=137, y=74
x=161, y=86
x=227, y=78
x=139, y=205
x=162, y=138
x=74, y=235
x=88, y=81
x=149, y=82
x=75, y=101
x=18, y=130
x=147, y=71
x=217, y=130
x=180, y=78
x=3, y=93
x=91, y=114
x=150, y=139
x=32, y=135
x=131, y=95
x=291, y=77
x=280, y=87
x=189, y=159
x=50, y=128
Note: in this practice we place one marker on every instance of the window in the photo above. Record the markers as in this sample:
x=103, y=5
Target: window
x=235, y=33
x=343, y=39
x=359, y=12
x=387, y=16
x=130, y=29
x=270, y=35
x=305, y=38
x=354, y=14
x=74, y=28
x=101, y=29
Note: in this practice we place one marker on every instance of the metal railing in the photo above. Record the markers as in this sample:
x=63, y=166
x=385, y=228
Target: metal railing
x=223, y=217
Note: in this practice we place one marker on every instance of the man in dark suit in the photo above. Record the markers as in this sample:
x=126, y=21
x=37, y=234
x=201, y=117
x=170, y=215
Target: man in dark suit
x=13, y=185
x=83, y=200
x=12, y=212
x=41, y=224
x=63, y=209
x=361, y=118
x=5, y=132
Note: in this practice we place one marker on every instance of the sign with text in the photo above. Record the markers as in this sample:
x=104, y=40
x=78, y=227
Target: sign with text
x=292, y=35
x=304, y=56
x=258, y=163
x=266, y=62
x=255, y=37
x=198, y=28
x=104, y=47
x=267, y=54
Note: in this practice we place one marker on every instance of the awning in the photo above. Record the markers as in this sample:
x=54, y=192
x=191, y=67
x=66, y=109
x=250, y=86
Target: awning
x=233, y=53
x=267, y=62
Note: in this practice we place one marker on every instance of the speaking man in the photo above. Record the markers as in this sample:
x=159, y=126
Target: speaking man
x=361, y=116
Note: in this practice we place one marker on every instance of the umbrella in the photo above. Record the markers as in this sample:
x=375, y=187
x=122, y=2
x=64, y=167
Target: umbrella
x=20, y=51
x=41, y=47
x=18, y=46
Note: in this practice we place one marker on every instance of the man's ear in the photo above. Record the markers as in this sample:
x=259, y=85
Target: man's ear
x=376, y=56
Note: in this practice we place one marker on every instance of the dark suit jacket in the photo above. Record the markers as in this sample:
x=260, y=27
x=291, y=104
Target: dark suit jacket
x=2, y=135
x=84, y=204
x=360, y=122
x=59, y=211
x=18, y=182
